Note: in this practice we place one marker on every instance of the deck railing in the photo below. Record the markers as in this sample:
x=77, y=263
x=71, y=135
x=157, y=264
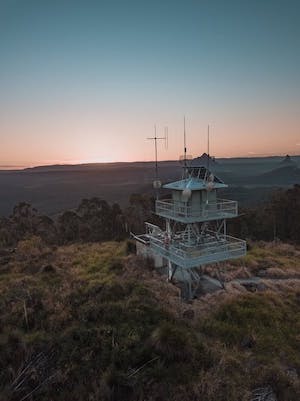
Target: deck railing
x=212, y=249
x=213, y=210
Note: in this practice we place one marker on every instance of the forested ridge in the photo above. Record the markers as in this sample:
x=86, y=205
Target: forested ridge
x=96, y=220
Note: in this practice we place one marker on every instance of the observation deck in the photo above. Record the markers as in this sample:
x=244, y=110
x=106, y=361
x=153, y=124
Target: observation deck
x=196, y=251
x=184, y=213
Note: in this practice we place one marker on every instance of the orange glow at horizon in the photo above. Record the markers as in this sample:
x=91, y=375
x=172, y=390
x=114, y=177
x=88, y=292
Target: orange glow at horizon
x=69, y=139
x=87, y=82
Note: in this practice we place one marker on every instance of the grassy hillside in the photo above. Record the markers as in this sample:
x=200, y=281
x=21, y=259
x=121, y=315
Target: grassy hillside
x=92, y=322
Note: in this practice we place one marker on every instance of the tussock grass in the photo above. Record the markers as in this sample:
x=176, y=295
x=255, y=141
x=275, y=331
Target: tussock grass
x=106, y=328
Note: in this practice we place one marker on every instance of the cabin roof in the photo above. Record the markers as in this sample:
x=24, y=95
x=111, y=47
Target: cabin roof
x=197, y=178
x=193, y=184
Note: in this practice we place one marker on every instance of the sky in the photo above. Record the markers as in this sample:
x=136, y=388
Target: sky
x=87, y=80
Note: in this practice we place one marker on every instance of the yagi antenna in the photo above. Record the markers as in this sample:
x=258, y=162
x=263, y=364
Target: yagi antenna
x=157, y=182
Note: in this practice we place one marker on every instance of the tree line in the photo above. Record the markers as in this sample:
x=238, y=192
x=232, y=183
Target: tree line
x=95, y=220
x=276, y=219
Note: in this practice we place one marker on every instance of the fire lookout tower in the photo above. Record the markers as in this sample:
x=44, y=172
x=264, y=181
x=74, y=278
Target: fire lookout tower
x=195, y=228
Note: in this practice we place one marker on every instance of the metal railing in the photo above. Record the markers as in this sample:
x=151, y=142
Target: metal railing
x=213, y=249
x=213, y=210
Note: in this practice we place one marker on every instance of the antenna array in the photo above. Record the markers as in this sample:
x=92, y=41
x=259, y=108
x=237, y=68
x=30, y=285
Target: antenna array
x=157, y=182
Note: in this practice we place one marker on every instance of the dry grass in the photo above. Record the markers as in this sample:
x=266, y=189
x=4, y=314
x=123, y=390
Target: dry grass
x=120, y=331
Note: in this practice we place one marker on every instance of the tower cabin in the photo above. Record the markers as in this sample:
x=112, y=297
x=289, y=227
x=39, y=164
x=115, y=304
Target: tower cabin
x=194, y=232
x=194, y=198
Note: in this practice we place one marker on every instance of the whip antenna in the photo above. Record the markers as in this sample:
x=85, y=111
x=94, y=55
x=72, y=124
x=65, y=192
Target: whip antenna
x=208, y=147
x=184, y=158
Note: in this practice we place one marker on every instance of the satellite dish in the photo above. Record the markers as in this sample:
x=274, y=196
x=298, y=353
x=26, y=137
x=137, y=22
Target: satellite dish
x=210, y=182
x=157, y=184
x=211, y=177
x=187, y=193
x=209, y=186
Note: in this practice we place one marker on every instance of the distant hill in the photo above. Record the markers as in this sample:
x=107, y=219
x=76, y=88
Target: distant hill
x=288, y=161
x=52, y=189
x=97, y=166
x=287, y=175
x=204, y=160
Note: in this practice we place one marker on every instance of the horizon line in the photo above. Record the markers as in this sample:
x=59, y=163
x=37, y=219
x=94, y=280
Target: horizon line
x=14, y=167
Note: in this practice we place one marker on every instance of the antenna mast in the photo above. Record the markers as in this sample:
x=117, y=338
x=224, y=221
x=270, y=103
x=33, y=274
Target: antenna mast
x=184, y=140
x=208, y=157
x=157, y=183
x=184, y=145
x=185, y=157
x=155, y=142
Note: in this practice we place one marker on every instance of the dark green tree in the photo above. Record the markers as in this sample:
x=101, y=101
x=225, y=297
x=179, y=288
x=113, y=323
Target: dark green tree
x=68, y=227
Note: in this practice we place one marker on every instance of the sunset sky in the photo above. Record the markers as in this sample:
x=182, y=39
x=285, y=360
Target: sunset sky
x=86, y=80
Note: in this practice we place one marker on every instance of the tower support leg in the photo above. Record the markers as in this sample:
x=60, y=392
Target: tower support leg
x=191, y=281
x=220, y=277
x=171, y=270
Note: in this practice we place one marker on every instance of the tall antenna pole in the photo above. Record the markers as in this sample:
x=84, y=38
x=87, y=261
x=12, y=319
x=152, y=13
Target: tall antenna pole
x=184, y=140
x=208, y=157
x=156, y=165
x=157, y=183
x=184, y=145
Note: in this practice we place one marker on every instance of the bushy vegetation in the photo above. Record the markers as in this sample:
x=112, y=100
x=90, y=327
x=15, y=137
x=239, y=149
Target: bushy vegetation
x=261, y=331
x=81, y=330
x=93, y=220
x=77, y=323
x=96, y=220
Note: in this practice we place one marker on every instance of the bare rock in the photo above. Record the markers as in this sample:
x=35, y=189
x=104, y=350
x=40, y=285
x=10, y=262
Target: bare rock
x=263, y=394
x=292, y=374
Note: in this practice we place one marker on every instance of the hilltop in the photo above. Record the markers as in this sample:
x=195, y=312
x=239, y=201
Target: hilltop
x=288, y=174
x=93, y=321
x=288, y=161
x=83, y=318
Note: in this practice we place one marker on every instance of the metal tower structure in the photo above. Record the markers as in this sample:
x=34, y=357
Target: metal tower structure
x=194, y=232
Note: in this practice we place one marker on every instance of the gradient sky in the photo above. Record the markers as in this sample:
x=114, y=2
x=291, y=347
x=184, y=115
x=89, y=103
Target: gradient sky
x=86, y=80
